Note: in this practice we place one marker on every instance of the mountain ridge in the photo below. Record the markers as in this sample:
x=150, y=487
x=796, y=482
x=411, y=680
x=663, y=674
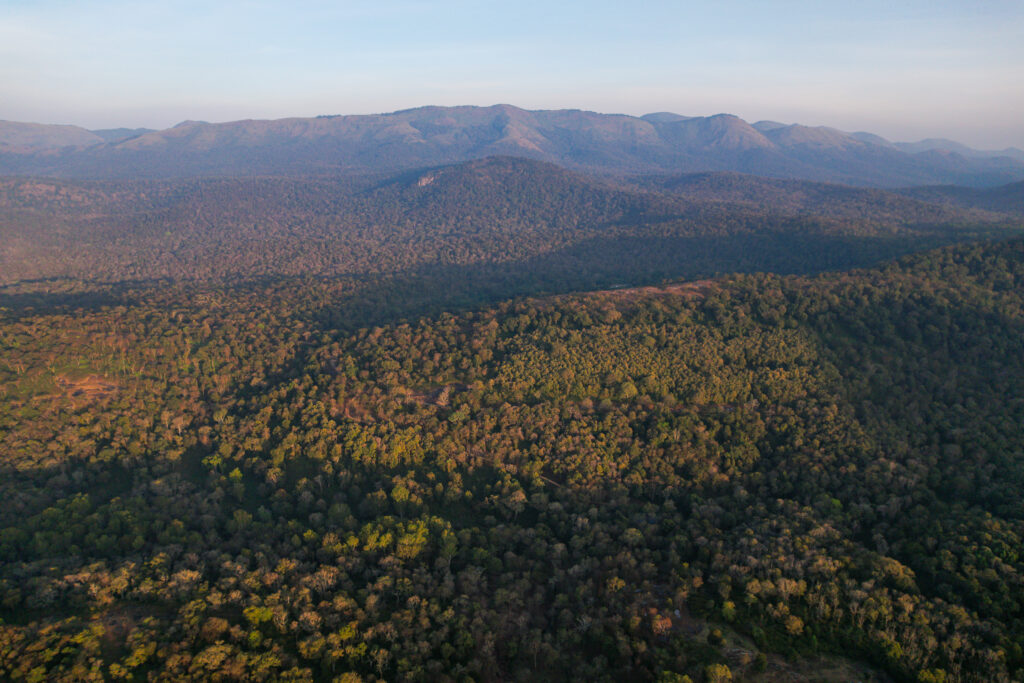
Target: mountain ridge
x=615, y=144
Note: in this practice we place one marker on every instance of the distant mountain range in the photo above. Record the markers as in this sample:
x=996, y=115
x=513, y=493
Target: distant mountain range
x=34, y=138
x=660, y=143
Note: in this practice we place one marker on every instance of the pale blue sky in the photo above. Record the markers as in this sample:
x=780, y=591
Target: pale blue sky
x=906, y=70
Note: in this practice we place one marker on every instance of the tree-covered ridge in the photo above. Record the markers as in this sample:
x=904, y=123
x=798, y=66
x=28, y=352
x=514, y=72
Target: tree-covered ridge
x=204, y=481
x=1008, y=199
x=919, y=205
x=540, y=227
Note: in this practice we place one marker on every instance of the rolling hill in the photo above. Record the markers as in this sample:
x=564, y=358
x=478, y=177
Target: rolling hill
x=461, y=235
x=1007, y=199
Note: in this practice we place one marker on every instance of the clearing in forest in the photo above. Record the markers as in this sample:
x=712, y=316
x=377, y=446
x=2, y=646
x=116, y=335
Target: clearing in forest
x=88, y=388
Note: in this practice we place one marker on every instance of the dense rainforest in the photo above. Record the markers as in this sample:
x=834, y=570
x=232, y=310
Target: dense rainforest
x=405, y=465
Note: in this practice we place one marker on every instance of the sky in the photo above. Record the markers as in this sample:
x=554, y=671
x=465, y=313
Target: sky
x=905, y=70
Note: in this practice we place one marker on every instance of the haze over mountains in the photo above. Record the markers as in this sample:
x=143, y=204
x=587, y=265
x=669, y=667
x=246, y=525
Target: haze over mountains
x=28, y=138
x=603, y=143
x=473, y=233
x=284, y=400
x=495, y=394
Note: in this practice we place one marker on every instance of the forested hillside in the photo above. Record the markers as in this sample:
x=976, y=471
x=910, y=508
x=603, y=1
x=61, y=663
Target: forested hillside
x=1007, y=199
x=915, y=205
x=756, y=477
x=503, y=225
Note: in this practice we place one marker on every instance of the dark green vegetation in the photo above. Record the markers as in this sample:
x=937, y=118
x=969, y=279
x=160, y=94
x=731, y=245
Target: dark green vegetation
x=207, y=480
x=293, y=429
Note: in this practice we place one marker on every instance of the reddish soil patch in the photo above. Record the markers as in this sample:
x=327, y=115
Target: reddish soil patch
x=352, y=410
x=690, y=290
x=436, y=397
x=87, y=388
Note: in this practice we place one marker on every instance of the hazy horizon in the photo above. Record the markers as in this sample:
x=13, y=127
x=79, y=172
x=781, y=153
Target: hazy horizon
x=751, y=120
x=916, y=71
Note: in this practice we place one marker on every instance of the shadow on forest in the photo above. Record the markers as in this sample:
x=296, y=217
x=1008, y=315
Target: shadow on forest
x=608, y=262
x=840, y=329
x=370, y=298
x=32, y=297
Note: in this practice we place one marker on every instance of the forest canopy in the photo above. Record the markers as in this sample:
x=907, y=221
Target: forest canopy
x=371, y=476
